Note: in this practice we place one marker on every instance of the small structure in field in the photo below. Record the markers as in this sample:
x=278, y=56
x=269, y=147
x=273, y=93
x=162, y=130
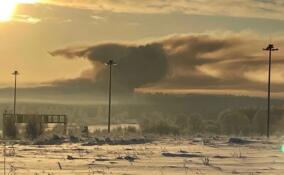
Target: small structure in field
x=10, y=122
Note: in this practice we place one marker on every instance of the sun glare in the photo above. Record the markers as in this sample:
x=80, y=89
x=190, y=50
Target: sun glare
x=8, y=7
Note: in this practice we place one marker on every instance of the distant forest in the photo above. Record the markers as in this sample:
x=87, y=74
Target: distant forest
x=172, y=114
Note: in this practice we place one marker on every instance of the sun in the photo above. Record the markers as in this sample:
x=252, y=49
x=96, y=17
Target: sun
x=8, y=7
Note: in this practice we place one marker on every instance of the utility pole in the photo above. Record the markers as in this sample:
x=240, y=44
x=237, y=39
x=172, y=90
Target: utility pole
x=110, y=63
x=15, y=73
x=4, y=156
x=270, y=48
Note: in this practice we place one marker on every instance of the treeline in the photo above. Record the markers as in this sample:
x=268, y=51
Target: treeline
x=241, y=122
x=171, y=114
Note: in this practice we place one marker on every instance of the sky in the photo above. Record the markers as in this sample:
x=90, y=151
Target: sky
x=160, y=45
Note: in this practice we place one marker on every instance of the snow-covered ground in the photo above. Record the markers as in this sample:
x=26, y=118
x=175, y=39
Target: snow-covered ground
x=187, y=156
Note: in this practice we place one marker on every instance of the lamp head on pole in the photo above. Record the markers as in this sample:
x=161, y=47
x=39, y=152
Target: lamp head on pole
x=110, y=63
x=270, y=47
x=15, y=72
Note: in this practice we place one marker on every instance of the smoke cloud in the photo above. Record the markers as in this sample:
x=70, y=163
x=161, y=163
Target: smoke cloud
x=209, y=61
x=137, y=65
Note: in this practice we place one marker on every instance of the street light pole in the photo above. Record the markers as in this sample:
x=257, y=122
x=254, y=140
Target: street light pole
x=110, y=63
x=15, y=73
x=270, y=48
x=4, y=156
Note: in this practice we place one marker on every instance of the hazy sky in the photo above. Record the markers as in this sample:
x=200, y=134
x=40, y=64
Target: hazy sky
x=214, y=45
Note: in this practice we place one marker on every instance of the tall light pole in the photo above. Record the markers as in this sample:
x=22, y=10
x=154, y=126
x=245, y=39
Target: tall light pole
x=15, y=73
x=4, y=156
x=270, y=48
x=110, y=63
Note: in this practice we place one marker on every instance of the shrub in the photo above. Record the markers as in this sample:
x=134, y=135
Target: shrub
x=182, y=122
x=259, y=122
x=85, y=131
x=131, y=129
x=210, y=126
x=10, y=128
x=233, y=122
x=189, y=124
x=195, y=123
x=159, y=126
